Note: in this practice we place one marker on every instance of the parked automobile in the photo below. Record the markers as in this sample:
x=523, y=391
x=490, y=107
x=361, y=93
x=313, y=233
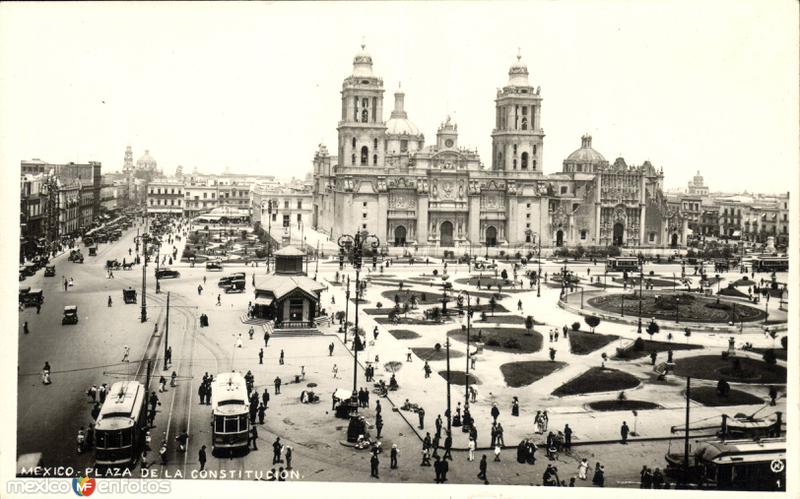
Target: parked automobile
x=70, y=315
x=166, y=273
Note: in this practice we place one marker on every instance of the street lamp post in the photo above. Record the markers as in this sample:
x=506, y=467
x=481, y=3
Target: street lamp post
x=447, y=349
x=144, y=278
x=641, y=278
x=346, y=308
x=677, y=306
x=469, y=326
x=357, y=243
x=269, y=232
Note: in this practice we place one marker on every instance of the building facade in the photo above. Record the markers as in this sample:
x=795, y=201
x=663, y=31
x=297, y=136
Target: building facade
x=384, y=179
x=165, y=197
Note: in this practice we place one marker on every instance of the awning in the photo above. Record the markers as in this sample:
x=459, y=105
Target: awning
x=342, y=393
x=737, y=233
x=263, y=300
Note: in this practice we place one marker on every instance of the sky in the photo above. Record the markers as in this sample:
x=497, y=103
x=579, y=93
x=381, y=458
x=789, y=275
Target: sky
x=701, y=85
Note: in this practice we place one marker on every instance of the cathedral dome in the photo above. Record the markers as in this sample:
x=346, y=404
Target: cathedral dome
x=518, y=74
x=146, y=162
x=586, y=154
x=398, y=123
x=362, y=63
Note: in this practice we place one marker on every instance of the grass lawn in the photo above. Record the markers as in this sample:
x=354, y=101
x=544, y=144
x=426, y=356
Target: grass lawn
x=406, y=322
x=497, y=319
x=430, y=354
x=519, y=374
x=376, y=311
x=690, y=307
x=708, y=396
x=459, y=378
x=654, y=346
x=582, y=343
x=713, y=367
x=744, y=281
x=404, y=334
x=732, y=291
x=597, y=379
x=424, y=298
x=622, y=405
x=780, y=353
x=513, y=340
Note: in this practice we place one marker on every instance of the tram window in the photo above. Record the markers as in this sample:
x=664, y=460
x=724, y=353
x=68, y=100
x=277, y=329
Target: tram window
x=230, y=424
x=243, y=422
x=126, y=437
x=219, y=425
x=101, y=439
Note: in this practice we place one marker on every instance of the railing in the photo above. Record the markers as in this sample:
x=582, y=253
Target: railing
x=294, y=325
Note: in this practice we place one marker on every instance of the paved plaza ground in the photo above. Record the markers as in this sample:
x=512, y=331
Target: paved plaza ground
x=91, y=352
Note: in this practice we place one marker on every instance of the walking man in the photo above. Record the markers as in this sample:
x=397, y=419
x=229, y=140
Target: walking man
x=482, y=469
x=277, y=385
x=125, y=352
x=393, y=455
x=421, y=414
x=266, y=338
x=261, y=356
x=276, y=450
x=373, y=462
x=330, y=350
x=448, y=443
x=202, y=457
x=280, y=360
x=254, y=437
x=623, y=431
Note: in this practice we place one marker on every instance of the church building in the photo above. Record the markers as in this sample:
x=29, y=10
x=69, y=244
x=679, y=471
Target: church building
x=383, y=178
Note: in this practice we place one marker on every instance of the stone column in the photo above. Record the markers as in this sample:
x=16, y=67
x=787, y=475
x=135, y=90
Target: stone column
x=383, y=216
x=642, y=213
x=474, y=220
x=422, y=219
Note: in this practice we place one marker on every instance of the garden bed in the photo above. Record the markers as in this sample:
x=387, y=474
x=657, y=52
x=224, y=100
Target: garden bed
x=404, y=334
x=513, y=340
x=654, y=346
x=688, y=307
x=622, y=405
x=492, y=282
x=411, y=321
x=597, y=379
x=460, y=377
x=498, y=319
x=583, y=343
x=714, y=367
x=708, y=396
x=517, y=374
x=423, y=298
x=431, y=354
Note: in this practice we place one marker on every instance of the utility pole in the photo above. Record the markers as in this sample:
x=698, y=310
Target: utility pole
x=166, y=334
x=144, y=277
x=447, y=347
x=686, y=436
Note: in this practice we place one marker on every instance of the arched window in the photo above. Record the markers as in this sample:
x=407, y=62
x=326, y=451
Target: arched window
x=375, y=159
x=364, y=155
x=515, y=148
x=534, y=164
x=364, y=116
x=375, y=144
x=525, y=161
x=354, y=142
x=524, y=123
x=353, y=159
x=515, y=163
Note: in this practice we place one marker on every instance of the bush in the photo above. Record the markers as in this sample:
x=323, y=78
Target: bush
x=379, y=305
x=725, y=355
x=491, y=342
x=652, y=273
x=723, y=388
x=592, y=321
x=435, y=272
x=511, y=343
x=576, y=326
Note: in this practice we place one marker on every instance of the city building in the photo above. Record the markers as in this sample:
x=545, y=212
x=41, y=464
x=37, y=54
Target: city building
x=165, y=196
x=383, y=178
x=291, y=208
x=697, y=186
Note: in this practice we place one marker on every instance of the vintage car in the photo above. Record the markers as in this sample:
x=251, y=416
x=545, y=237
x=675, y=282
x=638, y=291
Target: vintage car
x=166, y=273
x=129, y=295
x=236, y=286
x=76, y=256
x=214, y=266
x=92, y=250
x=70, y=315
x=113, y=264
x=226, y=281
x=50, y=271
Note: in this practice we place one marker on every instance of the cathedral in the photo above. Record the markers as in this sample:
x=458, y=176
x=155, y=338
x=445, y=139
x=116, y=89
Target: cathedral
x=383, y=178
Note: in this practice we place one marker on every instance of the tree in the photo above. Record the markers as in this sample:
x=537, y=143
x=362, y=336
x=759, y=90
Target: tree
x=652, y=329
x=576, y=326
x=592, y=321
x=529, y=324
x=723, y=388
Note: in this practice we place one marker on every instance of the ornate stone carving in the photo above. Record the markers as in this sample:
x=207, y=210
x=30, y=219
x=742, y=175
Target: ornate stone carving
x=448, y=190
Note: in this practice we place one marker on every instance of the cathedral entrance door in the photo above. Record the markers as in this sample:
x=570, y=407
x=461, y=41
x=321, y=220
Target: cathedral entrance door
x=491, y=236
x=400, y=236
x=446, y=234
x=674, y=242
x=560, y=238
x=618, y=231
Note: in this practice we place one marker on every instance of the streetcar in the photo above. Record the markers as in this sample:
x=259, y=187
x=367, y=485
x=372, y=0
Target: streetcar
x=622, y=263
x=770, y=264
x=230, y=424
x=734, y=464
x=121, y=426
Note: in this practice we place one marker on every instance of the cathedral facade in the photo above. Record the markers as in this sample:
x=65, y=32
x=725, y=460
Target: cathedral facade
x=383, y=178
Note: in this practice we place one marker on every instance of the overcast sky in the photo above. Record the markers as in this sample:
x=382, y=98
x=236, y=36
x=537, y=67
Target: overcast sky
x=709, y=86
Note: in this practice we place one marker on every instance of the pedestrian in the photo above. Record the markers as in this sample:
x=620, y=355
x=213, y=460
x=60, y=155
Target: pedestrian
x=471, y=455
x=519, y=305
x=201, y=391
x=378, y=425
x=645, y=478
x=583, y=468
x=482, y=470
x=373, y=462
x=125, y=352
x=199, y=289
x=265, y=398
x=262, y=411
x=25, y=327
x=426, y=461
x=623, y=431
x=261, y=356
x=515, y=406
x=448, y=444
x=95, y=410
x=335, y=371
x=375, y=333
x=219, y=300
x=495, y=412
x=276, y=450
x=253, y=437
x=330, y=350
x=427, y=369
x=280, y=360
x=438, y=423
x=92, y=393
x=408, y=355
x=378, y=407
x=288, y=455
x=500, y=439
x=393, y=456
x=658, y=479
x=277, y=385
x=445, y=467
x=101, y=393
x=162, y=384
x=497, y=453
x=266, y=338
x=567, y=437
x=421, y=414
x=599, y=476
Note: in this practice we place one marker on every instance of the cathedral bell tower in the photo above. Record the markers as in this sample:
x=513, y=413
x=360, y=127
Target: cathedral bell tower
x=361, y=129
x=517, y=138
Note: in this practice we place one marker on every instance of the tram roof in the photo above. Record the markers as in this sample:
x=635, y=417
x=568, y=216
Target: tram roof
x=228, y=387
x=123, y=403
x=720, y=451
